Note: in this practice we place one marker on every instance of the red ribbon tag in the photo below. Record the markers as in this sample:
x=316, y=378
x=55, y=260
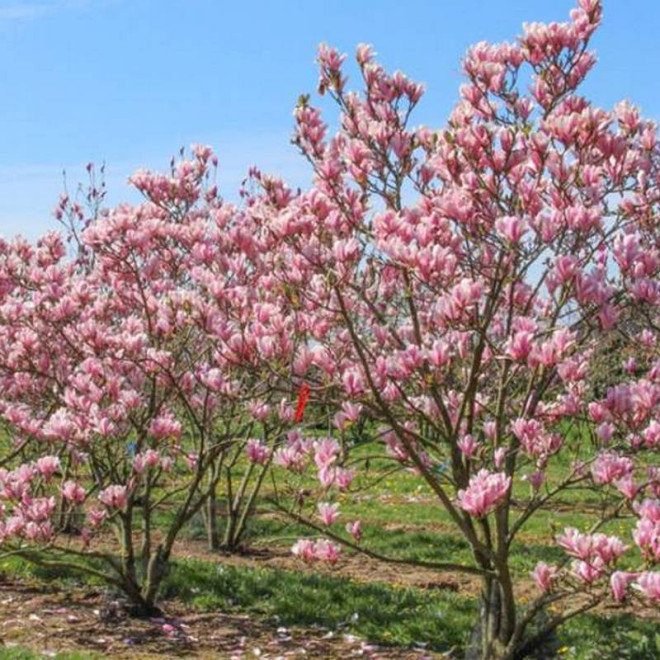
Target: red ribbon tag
x=303, y=396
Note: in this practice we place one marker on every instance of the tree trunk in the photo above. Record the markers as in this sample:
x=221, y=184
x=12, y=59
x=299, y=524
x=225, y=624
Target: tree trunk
x=211, y=517
x=492, y=636
x=489, y=640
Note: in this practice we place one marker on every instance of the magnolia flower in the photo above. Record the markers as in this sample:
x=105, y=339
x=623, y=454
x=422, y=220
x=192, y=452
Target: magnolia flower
x=328, y=513
x=591, y=547
x=355, y=529
x=165, y=426
x=322, y=550
x=305, y=549
x=327, y=551
x=499, y=455
x=166, y=463
x=511, y=228
x=257, y=452
x=649, y=585
x=468, y=446
x=47, y=466
x=114, y=497
x=485, y=492
x=609, y=467
x=96, y=517
x=619, y=581
x=326, y=452
x=148, y=459
x=544, y=575
x=72, y=492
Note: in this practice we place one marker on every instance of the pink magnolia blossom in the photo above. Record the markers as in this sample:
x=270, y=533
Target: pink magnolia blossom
x=327, y=551
x=257, y=451
x=326, y=452
x=48, y=466
x=114, y=496
x=499, y=456
x=328, y=513
x=544, y=575
x=619, y=581
x=485, y=492
x=305, y=549
x=468, y=446
x=511, y=228
x=340, y=478
x=610, y=467
x=520, y=346
x=648, y=584
x=165, y=426
x=355, y=529
x=39, y=509
x=535, y=479
x=72, y=492
x=588, y=571
x=96, y=517
x=627, y=486
x=589, y=547
x=312, y=551
x=148, y=459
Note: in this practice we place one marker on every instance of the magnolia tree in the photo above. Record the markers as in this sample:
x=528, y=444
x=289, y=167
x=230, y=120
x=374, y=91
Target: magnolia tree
x=131, y=375
x=457, y=284
x=260, y=344
x=450, y=288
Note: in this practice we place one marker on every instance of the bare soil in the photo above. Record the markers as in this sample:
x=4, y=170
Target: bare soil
x=49, y=621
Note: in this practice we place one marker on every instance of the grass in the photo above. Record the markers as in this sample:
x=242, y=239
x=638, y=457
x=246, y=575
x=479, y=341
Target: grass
x=379, y=612
x=623, y=637
x=400, y=519
x=382, y=613
x=389, y=615
x=22, y=653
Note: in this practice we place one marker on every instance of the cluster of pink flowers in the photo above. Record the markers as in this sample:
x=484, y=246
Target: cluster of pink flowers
x=485, y=492
x=544, y=575
x=146, y=460
x=114, y=496
x=593, y=552
x=534, y=438
x=468, y=445
x=295, y=454
x=328, y=513
x=25, y=515
x=648, y=584
x=326, y=456
x=320, y=550
x=610, y=467
x=647, y=531
x=73, y=492
x=257, y=452
x=462, y=327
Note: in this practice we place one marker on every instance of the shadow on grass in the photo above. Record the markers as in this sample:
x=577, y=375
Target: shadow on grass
x=19, y=653
x=377, y=612
x=624, y=637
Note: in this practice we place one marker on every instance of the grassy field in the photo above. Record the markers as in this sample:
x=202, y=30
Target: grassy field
x=399, y=609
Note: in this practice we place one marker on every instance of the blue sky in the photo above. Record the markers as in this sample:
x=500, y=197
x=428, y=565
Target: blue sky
x=129, y=82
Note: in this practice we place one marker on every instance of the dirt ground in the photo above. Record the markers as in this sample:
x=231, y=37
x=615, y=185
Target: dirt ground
x=353, y=566
x=50, y=621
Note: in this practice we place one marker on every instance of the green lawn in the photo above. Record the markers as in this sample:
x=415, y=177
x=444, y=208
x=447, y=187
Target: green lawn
x=400, y=519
